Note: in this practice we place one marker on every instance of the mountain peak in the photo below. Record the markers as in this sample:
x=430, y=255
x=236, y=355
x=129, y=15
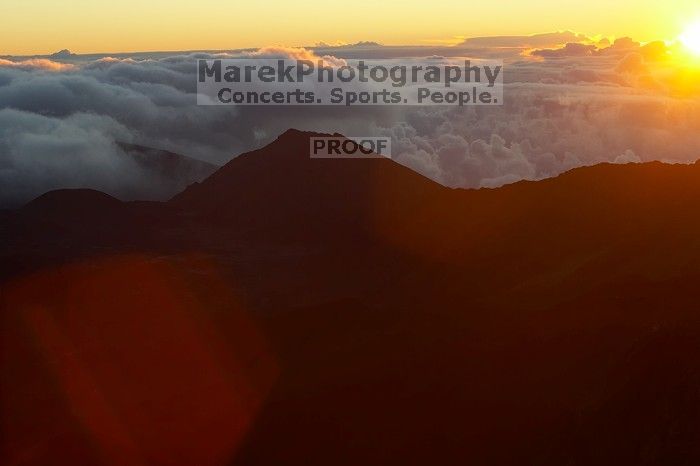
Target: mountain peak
x=295, y=133
x=65, y=53
x=71, y=196
x=72, y=202
x=282, y=184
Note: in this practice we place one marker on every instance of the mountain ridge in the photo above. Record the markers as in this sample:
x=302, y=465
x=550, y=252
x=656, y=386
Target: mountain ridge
x=313, y=312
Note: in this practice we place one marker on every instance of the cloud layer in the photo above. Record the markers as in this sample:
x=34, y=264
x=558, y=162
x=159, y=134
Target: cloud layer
x=569, y=102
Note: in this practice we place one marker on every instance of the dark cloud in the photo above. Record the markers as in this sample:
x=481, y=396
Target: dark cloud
x=552, y=39
x=569, y=50
x=624, y=46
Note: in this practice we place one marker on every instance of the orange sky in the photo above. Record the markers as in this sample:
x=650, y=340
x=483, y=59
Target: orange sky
x=45, y=26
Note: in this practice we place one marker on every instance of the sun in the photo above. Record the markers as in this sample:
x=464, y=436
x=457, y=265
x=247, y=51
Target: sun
x=691, y=38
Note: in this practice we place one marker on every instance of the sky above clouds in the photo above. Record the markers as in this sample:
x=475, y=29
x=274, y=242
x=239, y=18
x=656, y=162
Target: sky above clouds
x=99, y=26
x=569, y=101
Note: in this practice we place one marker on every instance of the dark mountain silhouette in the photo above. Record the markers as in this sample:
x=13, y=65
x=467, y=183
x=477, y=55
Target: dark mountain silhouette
x=289, y=310
x=63, y=54
x=66, y=201
x=304, y=196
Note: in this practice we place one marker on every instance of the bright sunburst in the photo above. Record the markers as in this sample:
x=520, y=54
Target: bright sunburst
x=691, y=38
